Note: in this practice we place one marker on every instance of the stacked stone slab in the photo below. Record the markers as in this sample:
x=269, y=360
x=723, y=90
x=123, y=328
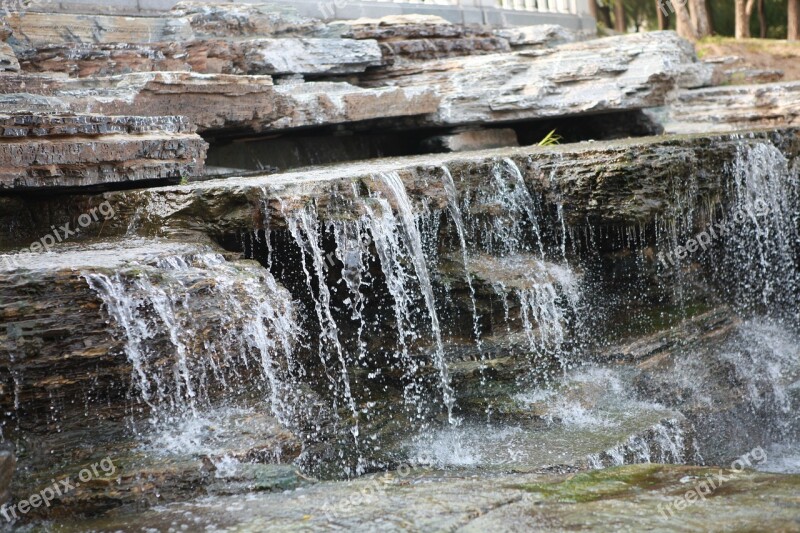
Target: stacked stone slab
x=735, y=107
x=311, y=74
x=55, y=151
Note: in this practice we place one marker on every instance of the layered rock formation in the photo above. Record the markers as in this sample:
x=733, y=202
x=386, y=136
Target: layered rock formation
x=735, y=107
x=468, y=305
x=41, y=152
x=243, y=104
x=66, y=349
x=383, y=68
x=610, y=182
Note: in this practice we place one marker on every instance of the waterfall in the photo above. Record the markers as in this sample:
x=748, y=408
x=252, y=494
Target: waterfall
x=197, y=325
x=763, y=233
x=304, y=227
x=413, y=242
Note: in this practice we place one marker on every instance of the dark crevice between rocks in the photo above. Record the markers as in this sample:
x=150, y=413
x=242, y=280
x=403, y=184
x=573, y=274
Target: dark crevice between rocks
x=242, y=152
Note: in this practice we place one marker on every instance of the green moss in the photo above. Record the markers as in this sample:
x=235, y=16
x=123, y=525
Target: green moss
x=599, y=484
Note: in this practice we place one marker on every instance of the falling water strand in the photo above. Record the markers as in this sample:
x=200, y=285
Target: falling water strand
x=304, y=227
x=522, y=197
x=397, y=190
x=458, y=220
x=762, y=229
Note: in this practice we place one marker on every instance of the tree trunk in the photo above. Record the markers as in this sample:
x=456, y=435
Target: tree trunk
x=794, y=20
x=699, y=17
x=683, y=21
x=762, y=19
x=593, y=9
x=663, y=15
x=711, y=22
x=605, y=16
x=742, y=20
x=619, y=16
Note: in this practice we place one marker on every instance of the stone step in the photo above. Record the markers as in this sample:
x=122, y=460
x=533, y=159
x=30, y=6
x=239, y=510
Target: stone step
x=65, y=152
x=610, y=182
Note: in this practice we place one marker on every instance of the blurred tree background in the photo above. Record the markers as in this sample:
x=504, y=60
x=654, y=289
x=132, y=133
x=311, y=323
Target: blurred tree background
x=768, y=18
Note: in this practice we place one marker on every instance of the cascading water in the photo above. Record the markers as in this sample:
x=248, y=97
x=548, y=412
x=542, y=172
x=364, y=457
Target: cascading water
x=762, y=233
x=198, y=326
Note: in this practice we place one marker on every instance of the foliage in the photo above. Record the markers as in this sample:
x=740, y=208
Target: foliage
x=550, y=139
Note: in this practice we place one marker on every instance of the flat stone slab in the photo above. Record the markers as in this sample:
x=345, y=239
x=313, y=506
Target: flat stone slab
x=630, y=497
x=301, y=56
x=612, y=74
x=730, y=108
x=51, y=152
x=219, y=101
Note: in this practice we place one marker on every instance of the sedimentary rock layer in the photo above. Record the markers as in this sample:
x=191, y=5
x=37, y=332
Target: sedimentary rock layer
x=611, y=74
x=422, y=37
x=613, y=182
x=258, y=56
x=54, y=152
x=187, y=21
x=217, y=102
x=604, y=75
x=734, y=107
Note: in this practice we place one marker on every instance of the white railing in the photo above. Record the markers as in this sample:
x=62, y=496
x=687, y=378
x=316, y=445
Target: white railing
x=542, y=6
x=429, y=2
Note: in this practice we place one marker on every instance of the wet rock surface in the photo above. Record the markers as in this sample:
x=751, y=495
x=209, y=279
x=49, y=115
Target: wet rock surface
x=627, y=181
x=478, y=340
x=628, y=497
